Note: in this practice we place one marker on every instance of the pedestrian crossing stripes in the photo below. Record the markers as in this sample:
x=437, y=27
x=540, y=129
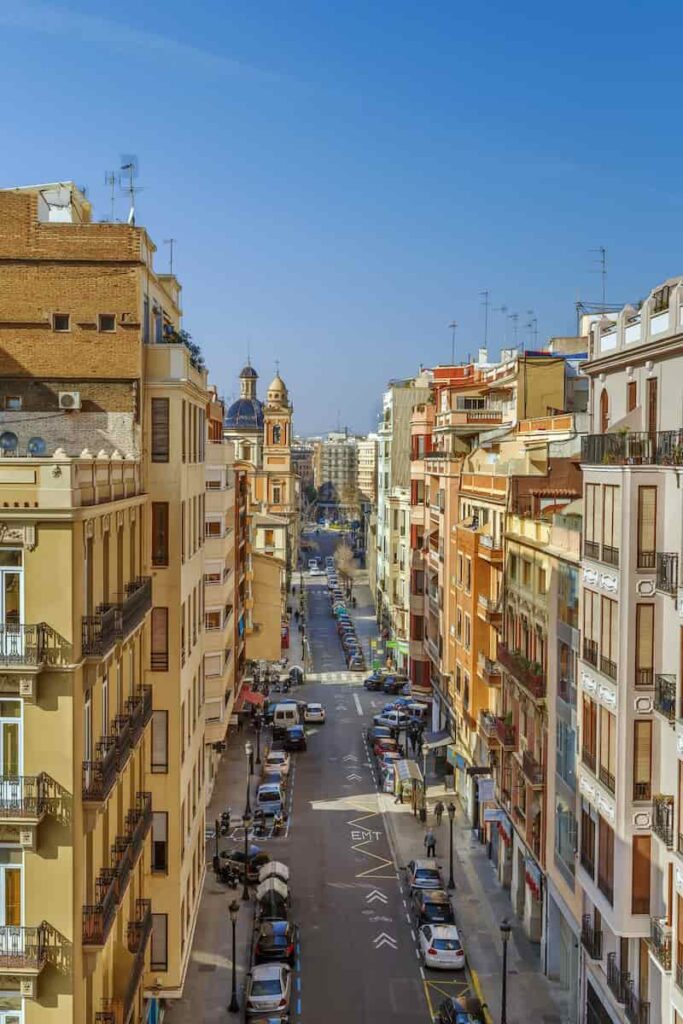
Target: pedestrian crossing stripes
x=334, y=677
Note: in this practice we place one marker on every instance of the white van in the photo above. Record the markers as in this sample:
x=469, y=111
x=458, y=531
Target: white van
x=284, y=716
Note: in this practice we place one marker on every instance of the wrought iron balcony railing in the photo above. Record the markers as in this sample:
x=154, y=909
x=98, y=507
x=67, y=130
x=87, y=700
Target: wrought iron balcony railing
x=665, y=696
x=528, y=674
x=139, y=932
x=507, y=734
x=667, y=572
x=26, y=950
x=661, y=941
x=99, y=775
x=114, y=621
x=591, y=938
x=534, y=772
x=637, y=448
x=590, y=652
x=30, y=797
x=618, y=980
x=637, y=1011
x=607, y=778
x=663, y=819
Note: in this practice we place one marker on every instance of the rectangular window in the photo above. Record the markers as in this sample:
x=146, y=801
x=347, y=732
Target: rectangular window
x=592, y=522
x=213, y=528
x=642, y=759
x=182, y=531
x=106, y=322
x=468, y=574
x=645, y=644
x=468, y=632
x=587, y=842
x=591, y=626
x=212, y=620
x=159, y=533
x=159, y=954
x=589, y=733
x=611, y=525
x=61, y=321
x=183, y=429
x=159, y=654
x=160, y=842
x=159, y=742
x=13, y=403
x=640, y=881
x=605, y=860
x=647, y=527
x=631, y=395
x=609, y=615
x=160, y=429
x=608, y=747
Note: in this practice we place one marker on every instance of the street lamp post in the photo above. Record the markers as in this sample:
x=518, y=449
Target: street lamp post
x=505, y=930
x=248, y=750
x=258, y=723
x=233, y=910
x=246, y=821
x=451, y=816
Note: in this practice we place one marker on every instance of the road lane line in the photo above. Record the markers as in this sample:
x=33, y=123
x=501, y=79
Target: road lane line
x=413, y=935
x=359, y=708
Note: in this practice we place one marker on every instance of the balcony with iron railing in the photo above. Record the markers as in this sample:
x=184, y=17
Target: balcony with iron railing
x=636, y=1009
x=635, y=448
x=590, y=652
x=487, y=724
x=488, y=610
x=665, y=696
x=490, y=549
x=678, y=972
x=667, y=572
x=591, y=938
x=528, y=674
x=118, y=1009
x=607, y=778
x=588, y=758
x=507, y=734
x=661, y=941
x=27, y=799
x=99, y=775
x=617, y=979
x=663, y=819
x=488, y=670
x=608, y=667
x=113, y=622
x=533, y=770
x=606, y=887
x=25, y=950
x=113, y=751
x=27, y=648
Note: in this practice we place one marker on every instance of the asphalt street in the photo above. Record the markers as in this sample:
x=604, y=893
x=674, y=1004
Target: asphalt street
x=358, y=956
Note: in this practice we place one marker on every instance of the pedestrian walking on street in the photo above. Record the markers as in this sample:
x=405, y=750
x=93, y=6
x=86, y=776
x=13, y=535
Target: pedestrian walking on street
x=438, y=811
x=430, y=843
x=399, y=796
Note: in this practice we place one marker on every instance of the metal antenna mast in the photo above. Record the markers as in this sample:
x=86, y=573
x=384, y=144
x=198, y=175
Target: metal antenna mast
x=602, y=260
x=515, y=323
x=130, y=170
x=485, y=303
x=170, y=242
x=453, y=326
x=110, y=182
x=532, y=324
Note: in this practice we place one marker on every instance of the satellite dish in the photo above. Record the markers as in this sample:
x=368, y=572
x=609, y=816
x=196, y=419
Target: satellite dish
x=37, y=446
x=8, y=441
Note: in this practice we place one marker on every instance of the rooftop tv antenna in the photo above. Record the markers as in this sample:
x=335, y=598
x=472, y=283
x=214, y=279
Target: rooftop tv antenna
x=110, y=182
x=602, y=260
x=130, y=169
x=486, y=300
x=503, y=310
x=453, y=326
x=532, y=324
x=170, y=242
x=515, y=325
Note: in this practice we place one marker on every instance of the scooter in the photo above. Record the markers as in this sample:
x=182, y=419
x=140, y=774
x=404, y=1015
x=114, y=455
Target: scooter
x=224, y=824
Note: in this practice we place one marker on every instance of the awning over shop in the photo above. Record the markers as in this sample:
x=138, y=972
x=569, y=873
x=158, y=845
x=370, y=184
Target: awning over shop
x=408, y=771
x=454, y=757
x=248, y=696
x=432, y=740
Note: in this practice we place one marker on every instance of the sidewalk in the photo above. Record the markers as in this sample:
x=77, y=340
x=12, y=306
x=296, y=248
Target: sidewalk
x=480, y=905
x=209, y=974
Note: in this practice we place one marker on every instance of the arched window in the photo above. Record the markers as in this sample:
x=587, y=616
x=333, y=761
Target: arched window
x=604, y=411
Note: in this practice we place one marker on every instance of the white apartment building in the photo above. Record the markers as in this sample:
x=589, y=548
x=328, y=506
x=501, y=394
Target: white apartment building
x=630, y=775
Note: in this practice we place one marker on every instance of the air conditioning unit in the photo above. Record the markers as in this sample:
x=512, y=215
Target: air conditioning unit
x=69, y=400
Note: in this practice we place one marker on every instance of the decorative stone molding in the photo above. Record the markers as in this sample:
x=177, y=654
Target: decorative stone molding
x=24, y=535
x=605, y=806
x=89, y=530
x=607, y=696
x=609, y=583
x=588, y=683
x=646, y=588
x=595, y=796
x=678, y=878
x=642, y=705
x=590, y=576
x=642, y=819
x=679, y=744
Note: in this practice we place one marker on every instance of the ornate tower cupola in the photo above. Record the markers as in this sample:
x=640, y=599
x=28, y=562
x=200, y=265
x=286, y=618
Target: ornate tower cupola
x=248, y=378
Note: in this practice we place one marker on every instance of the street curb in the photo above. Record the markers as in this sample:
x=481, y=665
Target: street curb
x=477, y=988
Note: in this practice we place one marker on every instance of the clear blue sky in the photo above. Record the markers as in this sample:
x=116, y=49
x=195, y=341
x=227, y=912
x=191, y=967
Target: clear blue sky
x=345, y=178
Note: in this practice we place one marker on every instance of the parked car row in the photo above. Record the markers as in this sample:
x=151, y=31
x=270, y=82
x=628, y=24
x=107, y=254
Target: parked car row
x=388, y=681
x=353, y=652
x=273, y=954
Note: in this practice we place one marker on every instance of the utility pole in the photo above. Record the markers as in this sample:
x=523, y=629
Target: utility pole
x=453, y=326
x=170, y=242
x=485, y=303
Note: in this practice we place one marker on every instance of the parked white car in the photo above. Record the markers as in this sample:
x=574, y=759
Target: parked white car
x=277, y=761
x=268, y=989
x=314, y=713
x=440, y=946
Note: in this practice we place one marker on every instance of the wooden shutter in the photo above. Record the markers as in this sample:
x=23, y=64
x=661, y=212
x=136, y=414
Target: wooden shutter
x=642, y=759
x=645, y=631
x=160, y=742
x=640, y=883
x=647, y=527
x=159, y=533
x=160, y=429
x=160, y=639
x=612, y=515
x=631, y=395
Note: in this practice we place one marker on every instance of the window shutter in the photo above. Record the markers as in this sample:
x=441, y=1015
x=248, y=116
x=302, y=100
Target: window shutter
x=645, y=622
x=647, y=510
x=642, y=758
x=640, y=887
x=159, y=533
x=160, y=639
x=160, y=429
x=160, y=741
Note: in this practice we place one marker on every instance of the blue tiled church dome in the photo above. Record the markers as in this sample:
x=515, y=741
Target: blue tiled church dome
x=245, y=414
